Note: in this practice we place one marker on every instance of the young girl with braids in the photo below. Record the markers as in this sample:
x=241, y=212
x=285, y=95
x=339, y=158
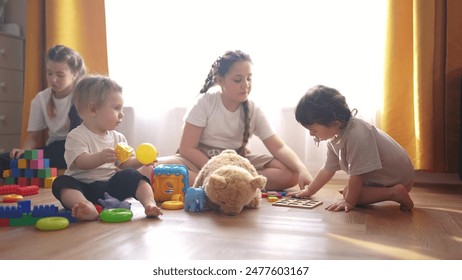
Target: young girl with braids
x=379, y=168
x=52, y=114
x=226, y=119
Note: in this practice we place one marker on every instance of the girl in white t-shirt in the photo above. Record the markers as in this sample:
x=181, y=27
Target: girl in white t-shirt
x=52, y=114
x=226, y=119
x=379, y=168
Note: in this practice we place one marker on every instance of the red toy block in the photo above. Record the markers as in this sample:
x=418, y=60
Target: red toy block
x=37, y=182
x=8, y=189
x=36, y=164
x=23, y=181
x=27, y=190
x=4, y=222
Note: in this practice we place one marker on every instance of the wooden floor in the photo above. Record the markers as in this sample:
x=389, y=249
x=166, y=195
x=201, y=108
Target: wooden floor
x=433, y=230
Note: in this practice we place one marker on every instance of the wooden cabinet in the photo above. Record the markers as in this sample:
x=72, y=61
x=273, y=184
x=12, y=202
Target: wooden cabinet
x=11, y=90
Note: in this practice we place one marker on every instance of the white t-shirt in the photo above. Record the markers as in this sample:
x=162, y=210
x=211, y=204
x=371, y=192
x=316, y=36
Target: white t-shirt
x=222, y=128
x=81, y=140
x=58, y=127
x=362, y=149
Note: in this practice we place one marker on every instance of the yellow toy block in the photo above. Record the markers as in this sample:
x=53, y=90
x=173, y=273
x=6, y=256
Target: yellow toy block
x=23, y=163
x=169, y=180
x=124, y=152
x=48, y=182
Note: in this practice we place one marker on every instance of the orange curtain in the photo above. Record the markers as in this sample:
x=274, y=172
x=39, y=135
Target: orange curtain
x=423, y=71
x=79, y=24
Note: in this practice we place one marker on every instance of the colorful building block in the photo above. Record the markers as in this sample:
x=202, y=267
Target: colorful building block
x=23, y=163
x=23, y=181
x=48, y=182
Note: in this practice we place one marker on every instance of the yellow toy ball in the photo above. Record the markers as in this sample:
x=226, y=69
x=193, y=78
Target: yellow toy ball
x=146, y=153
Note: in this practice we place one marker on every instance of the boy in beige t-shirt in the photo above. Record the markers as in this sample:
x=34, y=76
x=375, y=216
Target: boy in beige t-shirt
x=379, y=168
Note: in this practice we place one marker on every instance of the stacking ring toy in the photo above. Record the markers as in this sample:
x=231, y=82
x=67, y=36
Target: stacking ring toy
x=177, y=197
x=146, y=153
x=12, y=198
x=116, y=215
x=172, y=205
x=52, y=223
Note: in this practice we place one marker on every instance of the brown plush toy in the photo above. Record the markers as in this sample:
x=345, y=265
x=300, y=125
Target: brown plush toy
x=230, y=183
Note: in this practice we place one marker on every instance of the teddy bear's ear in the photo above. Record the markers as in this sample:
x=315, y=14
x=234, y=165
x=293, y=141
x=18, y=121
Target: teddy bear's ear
x=217, y=181
x=258, y=182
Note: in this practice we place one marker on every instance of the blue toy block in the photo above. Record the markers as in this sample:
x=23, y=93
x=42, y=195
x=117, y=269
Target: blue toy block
x=10, y=212
x=16, y=172
x=14, y=163
x=25, y=206
x=30, y=173
x=44, y=210
x=67, y=214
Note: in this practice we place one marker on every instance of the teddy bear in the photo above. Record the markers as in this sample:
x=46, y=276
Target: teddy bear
x=230, y=183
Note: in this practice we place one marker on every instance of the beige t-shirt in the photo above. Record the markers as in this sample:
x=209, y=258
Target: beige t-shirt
x=81, y=140
x=362, y=149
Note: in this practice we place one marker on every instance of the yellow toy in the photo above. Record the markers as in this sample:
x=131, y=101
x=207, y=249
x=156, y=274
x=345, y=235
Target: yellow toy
x=124, y=152
x=169, y=180
x=146, y=153
x=175, y=204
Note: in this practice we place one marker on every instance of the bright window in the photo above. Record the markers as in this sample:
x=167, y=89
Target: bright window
x=162, y=51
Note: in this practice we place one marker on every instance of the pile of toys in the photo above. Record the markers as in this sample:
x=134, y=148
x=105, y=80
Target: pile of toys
x=24, y=215
x=30, y=170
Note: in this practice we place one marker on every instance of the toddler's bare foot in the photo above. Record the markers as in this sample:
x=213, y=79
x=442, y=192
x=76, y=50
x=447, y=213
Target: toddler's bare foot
x=152, y=211
x=401, y=196
x=85, y=211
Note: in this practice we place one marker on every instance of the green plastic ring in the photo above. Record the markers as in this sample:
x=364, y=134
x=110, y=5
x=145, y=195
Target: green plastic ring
x=52, y=223
x=116, y=215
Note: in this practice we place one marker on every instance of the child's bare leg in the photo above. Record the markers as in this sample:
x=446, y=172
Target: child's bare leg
x=145, y=196
x=81, y=208
x=398, y=193
x=146, y=170
x=279, y=176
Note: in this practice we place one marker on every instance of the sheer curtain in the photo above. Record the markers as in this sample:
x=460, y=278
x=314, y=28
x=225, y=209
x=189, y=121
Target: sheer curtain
x=161, y=53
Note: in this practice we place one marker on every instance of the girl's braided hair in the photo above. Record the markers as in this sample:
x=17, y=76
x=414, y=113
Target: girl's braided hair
x=220, y=68
x=74, y=61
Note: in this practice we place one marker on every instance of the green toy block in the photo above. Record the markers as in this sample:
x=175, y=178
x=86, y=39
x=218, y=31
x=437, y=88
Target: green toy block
x=25, y=220
x=44, y=173
x=10, y=180
x=30, y=154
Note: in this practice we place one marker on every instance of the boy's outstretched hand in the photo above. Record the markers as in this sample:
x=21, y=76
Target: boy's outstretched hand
x=340, y=206
x=302, y=193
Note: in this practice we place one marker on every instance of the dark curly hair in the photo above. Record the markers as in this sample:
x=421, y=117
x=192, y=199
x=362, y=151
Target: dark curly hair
x=322, y=105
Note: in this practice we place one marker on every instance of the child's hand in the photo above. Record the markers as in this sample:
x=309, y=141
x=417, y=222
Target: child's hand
x=108, y=155
x=303, y=193
x=339, y=206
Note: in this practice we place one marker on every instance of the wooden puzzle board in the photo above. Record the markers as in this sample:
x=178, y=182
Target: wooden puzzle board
x=297, y=203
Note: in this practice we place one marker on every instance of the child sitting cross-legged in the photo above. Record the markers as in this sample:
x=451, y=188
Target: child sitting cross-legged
x=93, y=168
